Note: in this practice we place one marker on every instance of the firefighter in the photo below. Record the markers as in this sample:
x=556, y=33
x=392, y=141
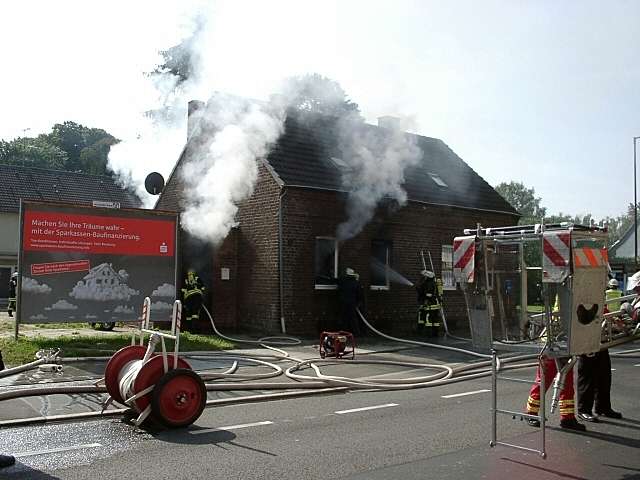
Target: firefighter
x=350, y=297
x=548, y=367
x=429, y=300
x=13, y=286
x=192, y=298
x=594, y=374
x=567, y=400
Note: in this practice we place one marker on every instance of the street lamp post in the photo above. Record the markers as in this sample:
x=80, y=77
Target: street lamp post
x=635, y=206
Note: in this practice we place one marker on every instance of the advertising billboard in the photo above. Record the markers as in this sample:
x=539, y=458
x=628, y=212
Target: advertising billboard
x=87, y=264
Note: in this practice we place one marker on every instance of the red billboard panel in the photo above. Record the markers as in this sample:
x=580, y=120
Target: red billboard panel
x=85, y=264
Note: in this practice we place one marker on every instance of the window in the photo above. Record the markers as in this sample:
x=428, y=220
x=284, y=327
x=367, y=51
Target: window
x=448, y=281
x=437, y=180
x=380, y=257
x=326, y=263
x=339, y=163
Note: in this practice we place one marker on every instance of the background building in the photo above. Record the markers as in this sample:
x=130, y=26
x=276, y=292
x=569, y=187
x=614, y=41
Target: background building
x=28, y=183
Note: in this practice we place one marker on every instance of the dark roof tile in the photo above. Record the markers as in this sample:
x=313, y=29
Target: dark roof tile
x=30, y=183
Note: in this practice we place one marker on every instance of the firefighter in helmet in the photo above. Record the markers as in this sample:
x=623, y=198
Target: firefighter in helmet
x=429, y=292
x=13, y=286
x=192, y=298
x=350, y=298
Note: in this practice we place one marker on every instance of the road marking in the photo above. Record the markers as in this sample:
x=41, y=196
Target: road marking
x=464, y=394
x=637, y=365
x=57, y=450
x=362, y=409
x=613, y=369
x=232, y=427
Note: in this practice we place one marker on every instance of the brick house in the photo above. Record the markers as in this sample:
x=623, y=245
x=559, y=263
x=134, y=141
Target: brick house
x=277, y=266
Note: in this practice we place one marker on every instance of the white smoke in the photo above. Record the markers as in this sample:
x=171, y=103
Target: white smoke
x=220, y=170
x=377, y=160
x=221, y=173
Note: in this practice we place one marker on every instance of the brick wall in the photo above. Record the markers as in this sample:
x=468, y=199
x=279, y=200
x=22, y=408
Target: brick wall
x=257, y=290
x=250, y=299
x=415, y=227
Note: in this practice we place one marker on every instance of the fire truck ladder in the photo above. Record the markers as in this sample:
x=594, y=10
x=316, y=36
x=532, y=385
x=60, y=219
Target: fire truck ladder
x=541, y=417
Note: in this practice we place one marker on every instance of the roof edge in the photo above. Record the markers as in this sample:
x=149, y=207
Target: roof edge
x=514, y=213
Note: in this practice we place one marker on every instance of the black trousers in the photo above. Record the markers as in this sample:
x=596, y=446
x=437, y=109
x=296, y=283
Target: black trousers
x=349, y=319
x=594, y=382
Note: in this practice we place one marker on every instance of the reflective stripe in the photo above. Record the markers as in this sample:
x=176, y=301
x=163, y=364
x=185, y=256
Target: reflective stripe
x=464, y=251
x=589, y=257
x=556, y=255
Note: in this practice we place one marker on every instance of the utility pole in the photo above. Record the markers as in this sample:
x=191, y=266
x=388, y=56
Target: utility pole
x=635, y=206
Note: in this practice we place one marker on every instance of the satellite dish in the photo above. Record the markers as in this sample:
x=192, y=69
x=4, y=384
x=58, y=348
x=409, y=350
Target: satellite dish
x=154, y=183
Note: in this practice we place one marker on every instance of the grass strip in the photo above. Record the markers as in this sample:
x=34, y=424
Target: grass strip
x=24, y=349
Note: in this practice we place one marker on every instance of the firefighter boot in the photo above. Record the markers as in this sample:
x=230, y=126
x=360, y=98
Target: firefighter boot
x=572, y=424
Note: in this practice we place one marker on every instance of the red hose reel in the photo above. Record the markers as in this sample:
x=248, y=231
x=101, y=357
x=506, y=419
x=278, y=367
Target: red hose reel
x=339, y=344
x=162, y=386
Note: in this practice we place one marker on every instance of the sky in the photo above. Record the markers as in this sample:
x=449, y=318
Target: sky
x=541, y=92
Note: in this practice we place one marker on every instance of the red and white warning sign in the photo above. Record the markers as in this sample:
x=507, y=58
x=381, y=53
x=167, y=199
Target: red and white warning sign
x=464, y=252
x=556, y=255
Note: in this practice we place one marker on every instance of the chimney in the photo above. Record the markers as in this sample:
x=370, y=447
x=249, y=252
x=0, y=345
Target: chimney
x=195, y=111
x=390, y=122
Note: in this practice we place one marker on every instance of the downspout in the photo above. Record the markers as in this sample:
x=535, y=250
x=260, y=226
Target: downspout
x=283, y=326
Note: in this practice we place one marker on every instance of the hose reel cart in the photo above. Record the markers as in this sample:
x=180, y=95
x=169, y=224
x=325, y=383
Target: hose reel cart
x=161, y=386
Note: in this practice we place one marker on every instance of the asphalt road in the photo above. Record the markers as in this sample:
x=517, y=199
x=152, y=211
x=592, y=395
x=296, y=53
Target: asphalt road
x=438, y=432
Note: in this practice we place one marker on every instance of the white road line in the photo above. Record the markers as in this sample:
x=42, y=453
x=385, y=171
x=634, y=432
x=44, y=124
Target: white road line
x=613, y=369
x=232, y=427
x=464, y=394
x=341, y=412
x=637, y=365
x=57, y=450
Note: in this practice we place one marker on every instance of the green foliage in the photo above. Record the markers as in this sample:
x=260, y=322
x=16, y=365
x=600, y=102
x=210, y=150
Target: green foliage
x=33, y=152
x=70, y=146
x=524, y=200
x=313, y=93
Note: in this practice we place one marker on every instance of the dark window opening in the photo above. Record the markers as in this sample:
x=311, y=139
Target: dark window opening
x=326, y=262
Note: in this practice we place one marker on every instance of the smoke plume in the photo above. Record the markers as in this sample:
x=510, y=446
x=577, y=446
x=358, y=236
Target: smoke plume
x=377, y=160
x=222, y=172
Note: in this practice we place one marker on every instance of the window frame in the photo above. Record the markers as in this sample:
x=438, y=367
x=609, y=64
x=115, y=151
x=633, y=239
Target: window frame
x=322, y=286
x=445, y=262
x=437, y=179
x=388, y=246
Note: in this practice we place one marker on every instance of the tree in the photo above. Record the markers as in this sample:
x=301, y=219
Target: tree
x=524, y=200
x=313, y=93
x=70, y=146
x=32, y=152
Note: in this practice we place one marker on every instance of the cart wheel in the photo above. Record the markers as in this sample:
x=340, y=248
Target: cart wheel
x=107, y=326
x=178, y=398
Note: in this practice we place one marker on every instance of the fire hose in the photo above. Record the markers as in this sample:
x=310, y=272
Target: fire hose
x=304, y=384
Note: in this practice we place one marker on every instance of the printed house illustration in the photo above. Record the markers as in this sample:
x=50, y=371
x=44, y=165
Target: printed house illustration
x=103, y=283
x=277, y=267
x=102, y=276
